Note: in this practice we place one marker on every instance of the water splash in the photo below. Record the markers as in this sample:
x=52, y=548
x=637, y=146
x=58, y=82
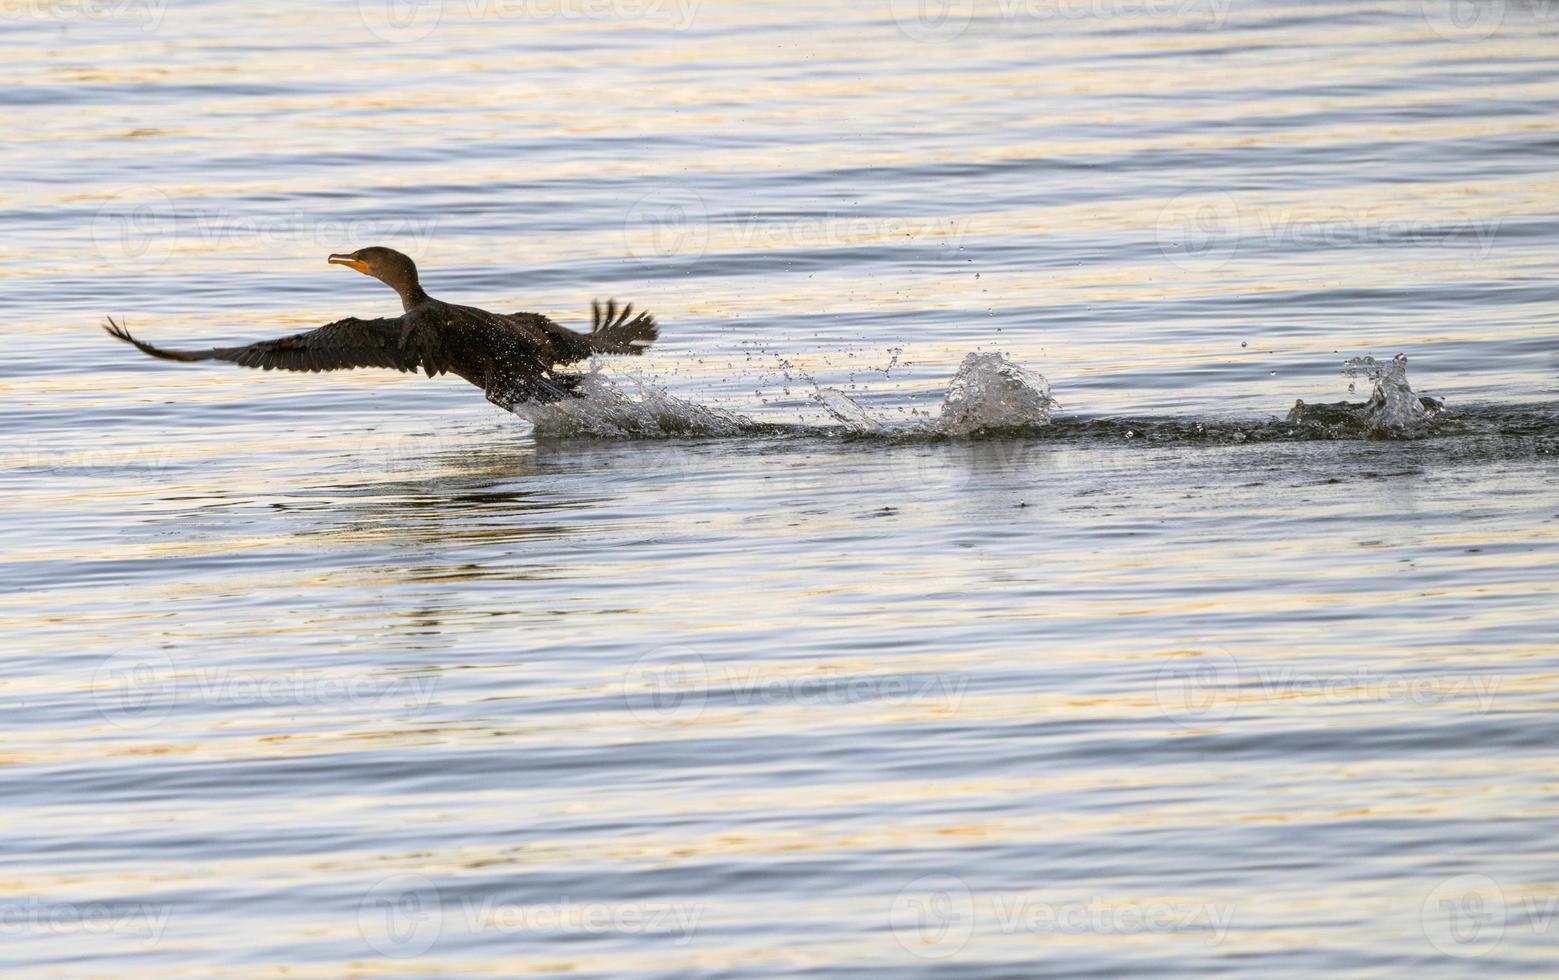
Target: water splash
x=607, y=411
x=848, y=412
x=1394, y=409
x=992, y=394
x=989, y=395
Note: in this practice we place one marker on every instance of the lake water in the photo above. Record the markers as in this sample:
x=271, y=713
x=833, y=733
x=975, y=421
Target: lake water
x=754, y=663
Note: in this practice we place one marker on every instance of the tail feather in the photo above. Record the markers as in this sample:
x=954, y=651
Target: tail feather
x=614, y=333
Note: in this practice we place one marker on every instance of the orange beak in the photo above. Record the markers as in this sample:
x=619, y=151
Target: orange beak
x=350, y=261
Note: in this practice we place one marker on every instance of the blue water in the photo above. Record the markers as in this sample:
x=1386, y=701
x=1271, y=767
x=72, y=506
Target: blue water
x=360, y=675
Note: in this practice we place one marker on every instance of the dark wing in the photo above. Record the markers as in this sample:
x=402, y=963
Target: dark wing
x=392, y=342
x=563, y=346
x=614, y=333
x=611, y=332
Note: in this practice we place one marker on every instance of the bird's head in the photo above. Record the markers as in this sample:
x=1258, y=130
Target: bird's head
x=387, y=265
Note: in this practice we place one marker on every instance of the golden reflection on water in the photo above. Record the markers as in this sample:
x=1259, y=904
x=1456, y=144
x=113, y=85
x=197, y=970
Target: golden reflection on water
x=954, y=683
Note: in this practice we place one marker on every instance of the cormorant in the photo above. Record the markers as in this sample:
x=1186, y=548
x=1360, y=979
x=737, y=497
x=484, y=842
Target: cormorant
x=509, y=357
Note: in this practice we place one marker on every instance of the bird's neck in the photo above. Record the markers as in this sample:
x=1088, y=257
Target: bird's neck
x=412, y=296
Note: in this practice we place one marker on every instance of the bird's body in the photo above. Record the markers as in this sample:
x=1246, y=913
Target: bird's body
x=512, y=357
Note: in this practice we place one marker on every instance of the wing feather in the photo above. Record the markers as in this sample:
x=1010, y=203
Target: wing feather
x=390, y=342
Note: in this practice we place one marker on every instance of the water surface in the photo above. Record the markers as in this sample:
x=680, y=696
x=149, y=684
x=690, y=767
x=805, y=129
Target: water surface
x=360, y=675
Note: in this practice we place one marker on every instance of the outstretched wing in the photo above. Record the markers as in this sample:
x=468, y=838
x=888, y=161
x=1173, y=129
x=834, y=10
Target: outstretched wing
x=614, y=333
x=611, y=332
x=391, y=342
